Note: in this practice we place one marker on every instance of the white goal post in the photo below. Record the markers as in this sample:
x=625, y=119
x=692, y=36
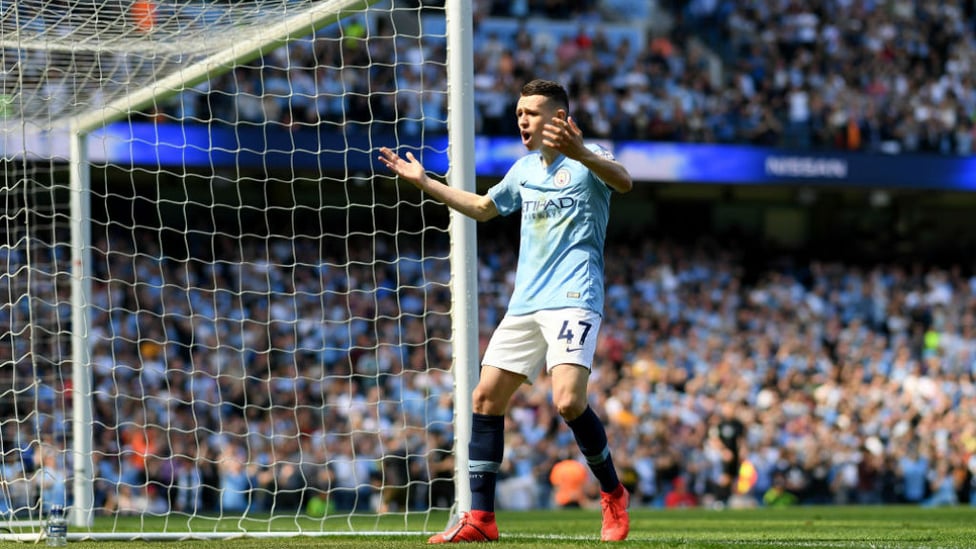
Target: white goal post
x=238, y=292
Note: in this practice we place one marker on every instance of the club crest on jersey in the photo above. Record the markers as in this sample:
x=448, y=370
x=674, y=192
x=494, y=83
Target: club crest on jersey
x=562, y=178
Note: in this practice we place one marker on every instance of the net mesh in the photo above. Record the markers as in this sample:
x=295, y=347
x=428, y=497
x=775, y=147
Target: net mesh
x=61, y=58
x=270, y=318
x=36, y=291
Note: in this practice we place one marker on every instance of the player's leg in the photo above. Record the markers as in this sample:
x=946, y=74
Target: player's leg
x=572, y=335
x=516, y=345
x=485, y=452
x=569, y=396
x=487, y=447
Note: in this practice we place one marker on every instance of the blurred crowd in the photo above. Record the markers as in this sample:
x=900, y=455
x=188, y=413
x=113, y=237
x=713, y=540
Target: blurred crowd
x=836, y=75
x=295, y=380
x=879, y=76
x=885, y=77
x=839, y=383
x=269, y=375
x=829, y=75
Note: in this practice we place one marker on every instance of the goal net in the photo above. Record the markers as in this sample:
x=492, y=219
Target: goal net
x=222, y=315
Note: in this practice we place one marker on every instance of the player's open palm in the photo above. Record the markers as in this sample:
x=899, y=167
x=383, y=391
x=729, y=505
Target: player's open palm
x=564, y=136
x=410, y=168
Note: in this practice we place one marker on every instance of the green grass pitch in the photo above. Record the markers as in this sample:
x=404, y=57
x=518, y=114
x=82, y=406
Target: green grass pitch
x=827, y=526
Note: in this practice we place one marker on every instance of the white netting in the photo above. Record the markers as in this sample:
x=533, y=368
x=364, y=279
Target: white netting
x=271, y=334
x=35, y=292
x=61, y=58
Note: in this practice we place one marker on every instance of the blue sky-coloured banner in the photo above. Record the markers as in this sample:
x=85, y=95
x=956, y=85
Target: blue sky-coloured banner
x=199, y=146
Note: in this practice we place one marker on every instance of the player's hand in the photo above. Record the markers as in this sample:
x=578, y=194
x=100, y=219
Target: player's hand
x=410, y=169
x=564, y=136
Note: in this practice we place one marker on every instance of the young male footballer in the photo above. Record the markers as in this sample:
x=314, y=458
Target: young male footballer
x=562, y=188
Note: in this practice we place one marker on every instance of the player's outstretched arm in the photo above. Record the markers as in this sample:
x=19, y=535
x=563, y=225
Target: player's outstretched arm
x=566, y=137
x=475, y=206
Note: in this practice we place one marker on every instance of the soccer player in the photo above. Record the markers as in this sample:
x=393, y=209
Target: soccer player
x=563, y=189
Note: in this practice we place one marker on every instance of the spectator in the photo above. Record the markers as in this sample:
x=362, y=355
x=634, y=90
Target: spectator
x=914, y=470
x=679, y=496
x=570, y=480
x=942, y=486
x=237, y=480
x=778, y=495
x=53, y=479
x=17, y=494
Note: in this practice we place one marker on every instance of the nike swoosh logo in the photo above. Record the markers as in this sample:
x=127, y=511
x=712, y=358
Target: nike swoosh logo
x=571, y=350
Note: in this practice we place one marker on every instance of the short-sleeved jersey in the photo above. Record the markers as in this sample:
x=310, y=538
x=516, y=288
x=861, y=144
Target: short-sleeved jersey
x=565, y=209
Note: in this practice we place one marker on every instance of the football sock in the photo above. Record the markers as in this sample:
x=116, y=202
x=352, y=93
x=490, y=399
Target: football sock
x=591, y=437
x=485, y=454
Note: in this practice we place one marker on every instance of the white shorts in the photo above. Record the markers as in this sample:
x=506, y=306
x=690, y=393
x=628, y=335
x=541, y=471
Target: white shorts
x=523, y=343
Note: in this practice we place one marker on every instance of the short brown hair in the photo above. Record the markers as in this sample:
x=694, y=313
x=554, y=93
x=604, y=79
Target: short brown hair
x=554, y=91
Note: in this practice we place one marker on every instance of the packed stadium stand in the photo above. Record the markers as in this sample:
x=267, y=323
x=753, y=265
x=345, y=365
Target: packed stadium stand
x=849, y=76
x=854, y=383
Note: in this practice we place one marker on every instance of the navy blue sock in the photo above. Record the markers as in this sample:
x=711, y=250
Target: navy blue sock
x=591, y=437
x=485, y=454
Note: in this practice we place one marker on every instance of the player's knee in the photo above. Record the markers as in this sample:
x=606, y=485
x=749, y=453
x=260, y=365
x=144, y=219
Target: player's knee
x=569, y=406
x=486, y=402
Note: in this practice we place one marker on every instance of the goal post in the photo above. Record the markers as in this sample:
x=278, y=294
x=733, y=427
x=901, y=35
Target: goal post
x=79, y=214
x=86, y=80
x=462, y=174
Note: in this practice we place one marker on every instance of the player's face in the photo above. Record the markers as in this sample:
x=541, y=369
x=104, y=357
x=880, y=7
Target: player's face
x=533, y=112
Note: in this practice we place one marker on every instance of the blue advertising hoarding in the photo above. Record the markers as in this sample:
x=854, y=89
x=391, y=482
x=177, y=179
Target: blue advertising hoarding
x=225, y=146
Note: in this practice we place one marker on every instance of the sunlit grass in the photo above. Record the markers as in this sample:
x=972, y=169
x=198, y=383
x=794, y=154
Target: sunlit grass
x=890, y=526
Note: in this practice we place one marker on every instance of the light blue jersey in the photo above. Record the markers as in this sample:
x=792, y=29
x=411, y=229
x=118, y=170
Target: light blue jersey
x=565, y=209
